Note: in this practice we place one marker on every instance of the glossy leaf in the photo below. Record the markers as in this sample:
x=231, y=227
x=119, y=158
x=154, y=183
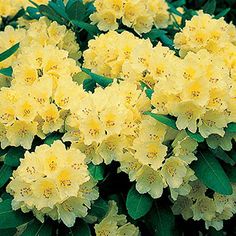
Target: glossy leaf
x=209, y=171
x=161, y=220
x=97, y=171
x=13, y=156
x=5, y=174
x=138, y=205
x=4, y=55
x=163, y=119
x=6, y=71
x=11, y=218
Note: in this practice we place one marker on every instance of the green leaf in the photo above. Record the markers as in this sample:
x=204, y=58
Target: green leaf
x=76, y=10
x=209, y=171
x=231, y=173
x=163, y=119
x=91, y=29
x=89, y=85
x=149, y=93
x=13, y=156
x=59, y=10
x=137, y=204
x=222, y=155
x=223, y=13
x=4, y=55
x=99, y=79
x=231, y=128
x=179, y=3
x=6, y=71
x=196, y=136
x=97, y=171
x=99, y=209
x=10, y=218
x=209, y=7
x=50, y=13
x=36, y=228
x=82, y=229
x=51, y=138
x=9, y=232
x=5, y=174
x=161, y=220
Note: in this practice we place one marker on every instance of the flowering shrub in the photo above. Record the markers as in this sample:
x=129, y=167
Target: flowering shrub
x=117, y=117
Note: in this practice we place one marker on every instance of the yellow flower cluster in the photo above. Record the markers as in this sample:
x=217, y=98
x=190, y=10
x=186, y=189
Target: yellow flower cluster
x=130, y=58
x=114, y=224
x=46, y=32
x=11, y=7
x=140, y=15
x=205, y=32
x=53, y=181
x=152, y=167
x=40, y=111
x=198, y=206
x=201, y=97
x=101, y=125
x=44, y=78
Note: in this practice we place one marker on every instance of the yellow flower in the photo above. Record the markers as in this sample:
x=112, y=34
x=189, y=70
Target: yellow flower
x=93, y=130
x=212, y=122
x=114, y=224
x=204, y=208
x=149, y=181
x=183, y=206
x=106, y=20
x=26, y=109
x=188, y=113
x=52, y=120
x=150, y=153
x=112, y=148
x=22, y=133
x=173, y=171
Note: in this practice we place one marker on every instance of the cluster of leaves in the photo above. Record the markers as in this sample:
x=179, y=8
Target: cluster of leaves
x=215, y=168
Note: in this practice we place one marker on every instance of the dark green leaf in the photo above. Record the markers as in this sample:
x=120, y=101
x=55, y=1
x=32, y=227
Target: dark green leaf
x=231, y=128
x=76, y=10
x=196, y=136
x=4, y=55
x=231, y=173
x=222, y=13
x=10, y=218
x=89, y=85
x=36, y=228
x=5, y=174
x=222, y=155
x=50, y=13
x=137, y=204
x=6, y=71
x=91, y=29
x=99, y=209
x=82, y=229
x=209, y=7
x=8, y=232
x=209, y=171
x=59, y=10
x=99, y=79
x=163, y=119
x=149, y=93
x=51, y=138
x=161, y=220
x=13, y=156
x=97, y=171
x=179, y=3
